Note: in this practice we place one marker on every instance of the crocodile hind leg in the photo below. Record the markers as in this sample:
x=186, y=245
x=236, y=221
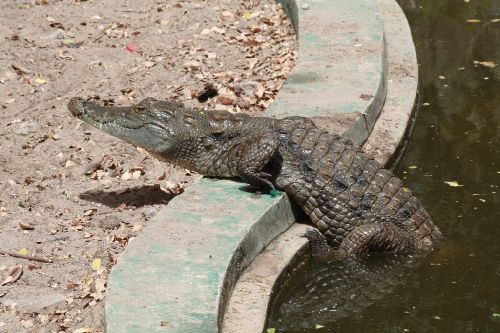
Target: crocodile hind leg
x=319, y=247
x=377, y=237
x=363, y=239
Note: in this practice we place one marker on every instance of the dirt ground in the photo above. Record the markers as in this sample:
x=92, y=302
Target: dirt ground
x=74, y=195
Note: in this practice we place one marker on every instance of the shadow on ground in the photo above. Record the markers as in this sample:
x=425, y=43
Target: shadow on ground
x=131, y=196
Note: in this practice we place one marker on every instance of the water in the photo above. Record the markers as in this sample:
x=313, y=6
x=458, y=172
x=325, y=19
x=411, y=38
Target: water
x=456, y=139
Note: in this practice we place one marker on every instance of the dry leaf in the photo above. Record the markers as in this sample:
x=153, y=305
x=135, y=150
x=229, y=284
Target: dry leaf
x=13, y=274
x=26, y=226
x=137, y=227
x=100, y=285
x=191, y=64
x=126, y=176
x=259, y=92
x=473, y=21
x=247, y=15
x=489, y=64
x=453, y=184
x=84, y=330
x=96, y=264
x=40, y=80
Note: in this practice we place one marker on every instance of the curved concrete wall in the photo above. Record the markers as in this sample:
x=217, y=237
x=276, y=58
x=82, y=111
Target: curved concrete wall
x=185, y=265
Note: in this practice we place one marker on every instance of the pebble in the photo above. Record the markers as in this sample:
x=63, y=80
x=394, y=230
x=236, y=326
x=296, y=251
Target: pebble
x=110, y=223
x=26, y=127
x=58, y=34
x=247, y=88
x=306, y=6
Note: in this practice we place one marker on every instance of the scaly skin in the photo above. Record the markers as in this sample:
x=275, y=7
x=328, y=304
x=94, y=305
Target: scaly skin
x=357, y=205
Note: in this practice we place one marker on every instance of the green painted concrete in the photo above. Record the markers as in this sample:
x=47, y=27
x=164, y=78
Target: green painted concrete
x=342, y=67
x=178, y=274
x=181, y=269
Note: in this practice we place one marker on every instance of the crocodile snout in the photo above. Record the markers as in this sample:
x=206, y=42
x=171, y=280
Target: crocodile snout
x=75, y=106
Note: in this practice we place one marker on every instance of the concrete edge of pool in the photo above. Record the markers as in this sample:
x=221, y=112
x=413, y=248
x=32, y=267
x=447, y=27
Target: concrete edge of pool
x=180, y=272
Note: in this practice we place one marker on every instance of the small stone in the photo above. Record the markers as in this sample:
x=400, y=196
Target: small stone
x=44, y=304
x=58, y=34
x=27, y=323
x=110, y=223
x=306, y=6
x=26, y=127
x=246, y=88
x=149, y=64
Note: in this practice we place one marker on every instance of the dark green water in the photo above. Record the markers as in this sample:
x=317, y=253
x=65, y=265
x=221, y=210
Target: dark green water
x=456, y=138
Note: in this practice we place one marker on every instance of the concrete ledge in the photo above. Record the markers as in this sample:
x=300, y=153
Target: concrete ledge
x=182, y=268
x=254, y=291
x=340, y=76
x=395, y=121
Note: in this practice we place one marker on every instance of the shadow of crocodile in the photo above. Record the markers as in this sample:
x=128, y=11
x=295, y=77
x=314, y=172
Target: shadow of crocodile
x=131, y=196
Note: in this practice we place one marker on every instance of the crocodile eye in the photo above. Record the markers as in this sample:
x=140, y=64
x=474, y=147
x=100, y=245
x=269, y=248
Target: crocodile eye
x=189, y=120
x=159, y=130
x=217, y=132
x=207, y=143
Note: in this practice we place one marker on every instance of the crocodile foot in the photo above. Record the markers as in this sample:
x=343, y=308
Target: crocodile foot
x=320, y=249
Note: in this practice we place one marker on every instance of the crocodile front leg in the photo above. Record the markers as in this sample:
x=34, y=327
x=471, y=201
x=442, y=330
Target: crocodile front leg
x=253, y=155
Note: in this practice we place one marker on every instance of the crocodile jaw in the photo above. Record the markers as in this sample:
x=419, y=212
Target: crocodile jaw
x=137, y=127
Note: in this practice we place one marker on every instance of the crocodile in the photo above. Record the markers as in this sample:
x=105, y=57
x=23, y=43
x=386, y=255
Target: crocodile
x=356, y=205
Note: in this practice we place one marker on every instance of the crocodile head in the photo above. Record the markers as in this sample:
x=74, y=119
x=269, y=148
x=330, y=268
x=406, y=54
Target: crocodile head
x=143, y=125
x=191, y=138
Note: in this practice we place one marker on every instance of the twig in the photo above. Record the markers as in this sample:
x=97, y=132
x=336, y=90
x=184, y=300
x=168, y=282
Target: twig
x=17, y=255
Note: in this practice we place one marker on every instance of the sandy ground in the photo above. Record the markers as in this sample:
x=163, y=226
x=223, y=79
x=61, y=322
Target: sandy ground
x=75, y=196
